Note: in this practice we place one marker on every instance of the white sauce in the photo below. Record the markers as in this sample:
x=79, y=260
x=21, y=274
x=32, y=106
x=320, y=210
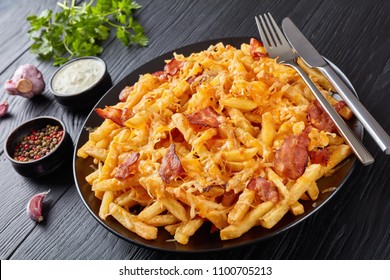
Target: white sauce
x=78, y=76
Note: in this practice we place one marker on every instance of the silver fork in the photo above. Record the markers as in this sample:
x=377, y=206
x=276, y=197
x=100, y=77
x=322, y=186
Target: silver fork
x=278, y=47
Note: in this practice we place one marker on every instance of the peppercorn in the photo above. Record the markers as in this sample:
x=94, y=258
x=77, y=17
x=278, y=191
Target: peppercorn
x=38, y=144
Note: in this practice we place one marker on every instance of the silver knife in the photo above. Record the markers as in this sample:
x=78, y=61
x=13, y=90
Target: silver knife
x=310, y=55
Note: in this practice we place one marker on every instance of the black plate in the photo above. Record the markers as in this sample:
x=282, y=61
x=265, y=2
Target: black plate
x=202, y=241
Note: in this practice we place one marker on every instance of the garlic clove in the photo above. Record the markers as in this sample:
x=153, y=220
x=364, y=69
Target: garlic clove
x=4, y=108
x=34, y=206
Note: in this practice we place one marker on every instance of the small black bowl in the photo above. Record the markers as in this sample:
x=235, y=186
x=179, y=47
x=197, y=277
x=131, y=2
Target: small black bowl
x=87, y=97
x=46, y=164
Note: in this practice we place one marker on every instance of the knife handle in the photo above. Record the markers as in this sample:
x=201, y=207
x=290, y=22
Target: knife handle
x=360, y=151
x=370, y=124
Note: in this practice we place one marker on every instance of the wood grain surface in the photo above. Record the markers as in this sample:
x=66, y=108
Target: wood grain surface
x=355, y=35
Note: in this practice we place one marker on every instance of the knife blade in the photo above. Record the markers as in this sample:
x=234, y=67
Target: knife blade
x=310, y=56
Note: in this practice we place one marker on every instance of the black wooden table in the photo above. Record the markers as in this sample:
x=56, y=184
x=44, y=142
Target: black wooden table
x=354, y=34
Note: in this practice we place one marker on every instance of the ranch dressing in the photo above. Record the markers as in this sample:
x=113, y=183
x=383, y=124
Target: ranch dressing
x=78, y=76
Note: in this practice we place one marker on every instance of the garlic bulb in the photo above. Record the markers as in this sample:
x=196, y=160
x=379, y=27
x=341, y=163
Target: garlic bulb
x=27, y=81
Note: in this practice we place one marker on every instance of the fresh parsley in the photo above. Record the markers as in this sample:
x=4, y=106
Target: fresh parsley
x=78, y=29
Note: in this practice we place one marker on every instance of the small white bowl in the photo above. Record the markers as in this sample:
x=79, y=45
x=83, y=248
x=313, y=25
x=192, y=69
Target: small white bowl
x=74, y=85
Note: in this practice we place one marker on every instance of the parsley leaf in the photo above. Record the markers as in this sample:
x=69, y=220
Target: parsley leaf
x=78, y=30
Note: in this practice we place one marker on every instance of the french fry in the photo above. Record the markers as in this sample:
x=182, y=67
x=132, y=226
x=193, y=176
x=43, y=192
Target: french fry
x=187, y=229
x=338, y=154
x=147, y=83
x=81, y=151
x=240, y=121
x=104, y=130
x=297, y=208
x=240, y=155
x=162, y=220
x=151, y=211
x=248, y=140
x=312, y=173
x=268, y=130
x=181, y=88
x=173, y=206
x=99, y=194
x=92, y=177
x=96, y=152
x=313, y=191
x=243, y=104
x=132, y=223
x=250, y=220
x=278, y=182
x=138, y=119
x=104, y=143
x=294, y=94
x=114, y=184
x=241, y=207
x=198, y=144
x=110, y=162
x=135, y=194
x=172, y=228
x=104, y=209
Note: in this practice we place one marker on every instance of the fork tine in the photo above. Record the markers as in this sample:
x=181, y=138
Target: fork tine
x=271, y=29
x=263, y=37
x=275, y=28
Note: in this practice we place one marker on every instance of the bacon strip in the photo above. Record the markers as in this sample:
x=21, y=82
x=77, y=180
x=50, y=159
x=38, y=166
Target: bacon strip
x=161, y=75
x=291, y=159
x=125, y=93
x=320, y=156
x=125, y=169
x=173, y=66
x=206, y=117
x=171, y=69
x=264, y=188
x=171, y=167
x=320, y=119
x=117, y=115
x=254, y=45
